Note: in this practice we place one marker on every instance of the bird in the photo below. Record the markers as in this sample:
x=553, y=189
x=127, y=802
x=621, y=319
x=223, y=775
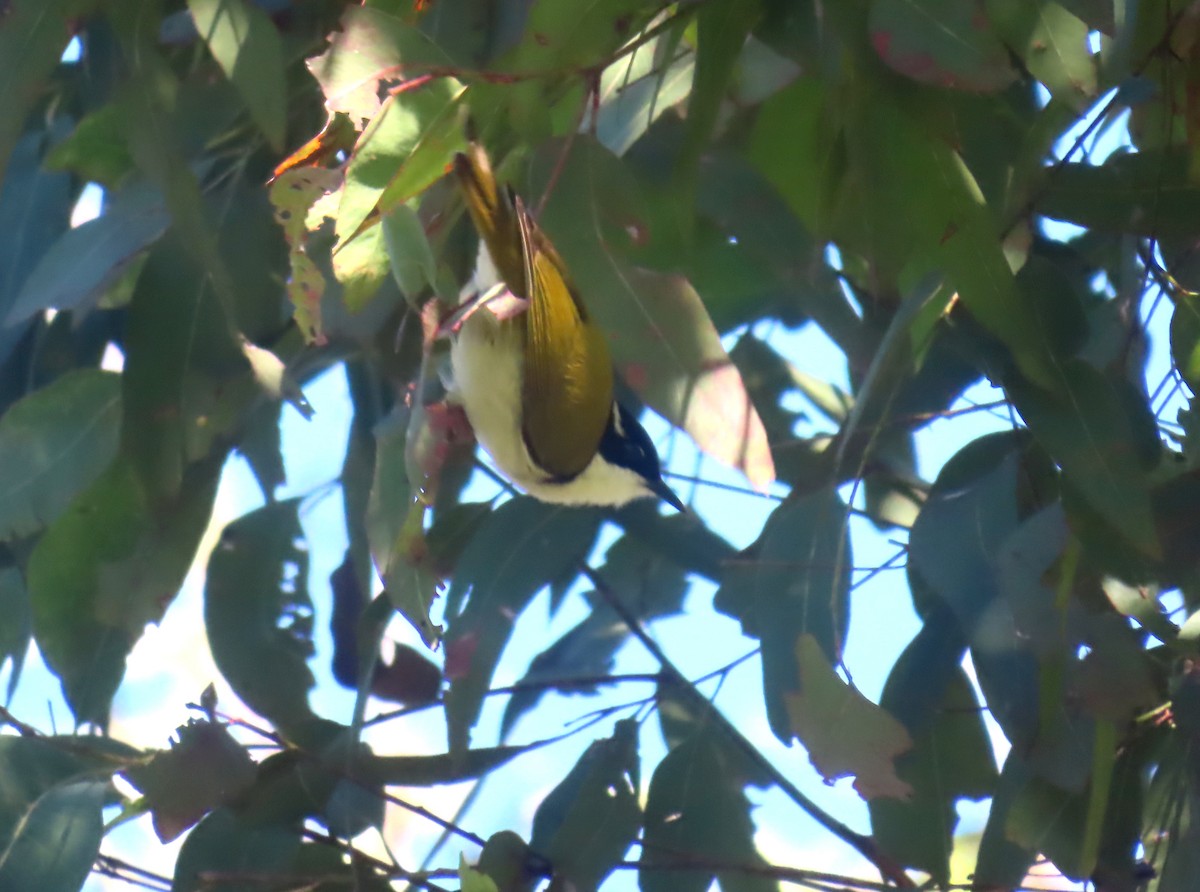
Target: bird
x=537, y=385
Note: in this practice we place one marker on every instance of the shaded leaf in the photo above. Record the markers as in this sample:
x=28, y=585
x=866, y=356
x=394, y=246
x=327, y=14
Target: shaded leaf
x=224, y=843
x=1145, y=193
x=86, y=261
x=792, y=581
x=246, y=45
x=96, y=151
x=33, y=35
x=107, y=566
x=697, y=812
x=943, y=43
x=53, y=444
x=17, y=629
x=1105, y=438
x=845, y=734
x=204, y=769
x=508, y=862
x=586, y=823
x=497, y=570
x=56, y=840
x=258, y=614
x=951, y=756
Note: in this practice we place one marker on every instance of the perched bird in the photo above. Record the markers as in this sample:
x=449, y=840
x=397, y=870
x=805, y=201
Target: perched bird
x=537, y=386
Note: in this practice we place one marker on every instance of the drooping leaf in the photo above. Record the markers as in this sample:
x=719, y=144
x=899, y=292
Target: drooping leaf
x=203, y=770
x=258, y=614
x=697, y=810
x=845, y=733
x=110, y=564
x=53, y=444
x=246, y=45
x=586, y=823
x=951, y=756
x=792, y=581
x=17, y=629
x=498, y=570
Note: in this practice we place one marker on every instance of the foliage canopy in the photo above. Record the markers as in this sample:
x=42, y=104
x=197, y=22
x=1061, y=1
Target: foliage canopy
x=711, y=170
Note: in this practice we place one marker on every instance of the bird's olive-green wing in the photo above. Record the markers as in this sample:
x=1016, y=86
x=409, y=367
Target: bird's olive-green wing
x=494, y=216
x=567, y=394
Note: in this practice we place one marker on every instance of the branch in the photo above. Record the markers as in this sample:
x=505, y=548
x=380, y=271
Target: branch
x=864, y=845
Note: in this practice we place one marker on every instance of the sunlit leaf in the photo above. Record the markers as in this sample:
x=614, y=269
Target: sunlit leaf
x=845, y=734
x=247, y=47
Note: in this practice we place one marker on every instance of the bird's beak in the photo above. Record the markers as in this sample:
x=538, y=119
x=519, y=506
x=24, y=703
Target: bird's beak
x=664, y=492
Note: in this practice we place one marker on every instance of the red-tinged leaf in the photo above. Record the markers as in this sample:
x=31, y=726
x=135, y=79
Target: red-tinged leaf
x=663, y=342
x=845, y=733
x=204, y=769
x=943, y=43
x=372, y=51
x=294, y=192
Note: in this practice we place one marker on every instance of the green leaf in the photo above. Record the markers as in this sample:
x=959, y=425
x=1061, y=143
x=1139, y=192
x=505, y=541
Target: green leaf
x=96, y=151
x=1053, y=43
x=258, y=614
x=558, y=39
x=372, y=46
x=969, y=515
x=794, y=580
x=509, y=862
x=86, y=261
x=409, y=253
x=206, y=768
x=663, y=342
x=53, y=444
x=34, y=205
x=473, y=880
x=587, y=823
x=637, y=90
x=406, y=148
x=696, y=810
x=186, y=379
x=17, y=628
x=498, y=570
x=246, y=45
x=942, y=43
x=33, y=35
x=56, y=840
x=224, y=843
x=1104, y=437
x=361, y=266
x=107, y=566
x=445, y=768
x=649, y=584
x=684, y=540
x=951, y=756
x=844, y=732
x=1147, y=193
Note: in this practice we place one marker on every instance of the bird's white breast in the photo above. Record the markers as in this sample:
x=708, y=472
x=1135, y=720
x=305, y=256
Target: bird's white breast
x=487, y=357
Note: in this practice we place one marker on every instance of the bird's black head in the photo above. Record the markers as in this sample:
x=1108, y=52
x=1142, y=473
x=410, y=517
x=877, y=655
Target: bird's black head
x=626, y=444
